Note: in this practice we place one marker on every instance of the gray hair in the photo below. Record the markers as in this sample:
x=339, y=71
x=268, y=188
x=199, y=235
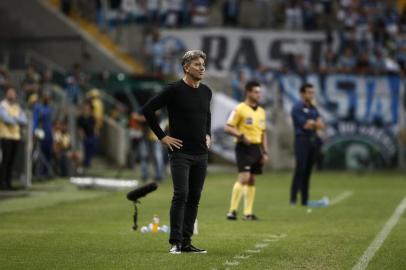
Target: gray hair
x=192, y=55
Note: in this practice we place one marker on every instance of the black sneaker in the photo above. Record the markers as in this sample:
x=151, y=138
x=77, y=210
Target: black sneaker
x=232, y=215
x=176, y=249
x=191, y=249
x=250, y=217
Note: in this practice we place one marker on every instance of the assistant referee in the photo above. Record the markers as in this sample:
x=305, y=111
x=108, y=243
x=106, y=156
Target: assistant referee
x=188, y=103
x=247, y=123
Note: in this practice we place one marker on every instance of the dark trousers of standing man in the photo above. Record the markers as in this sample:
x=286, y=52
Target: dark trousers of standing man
x=46, y=150
x=188, y=174
x=90, y=148
x=305, y=150
x=9, y=151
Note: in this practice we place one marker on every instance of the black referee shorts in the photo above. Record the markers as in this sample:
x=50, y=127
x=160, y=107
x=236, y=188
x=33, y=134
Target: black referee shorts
x=248, y=158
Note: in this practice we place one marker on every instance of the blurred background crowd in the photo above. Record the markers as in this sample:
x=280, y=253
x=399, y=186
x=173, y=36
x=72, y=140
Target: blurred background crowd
x=78, y=104
x=361, y=35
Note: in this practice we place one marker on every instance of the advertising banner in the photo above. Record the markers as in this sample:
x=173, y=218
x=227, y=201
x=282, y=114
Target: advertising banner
x=222, y=143
x=362, y=115
x=226, y=50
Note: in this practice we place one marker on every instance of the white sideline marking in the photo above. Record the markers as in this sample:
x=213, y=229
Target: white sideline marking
x=259, y=246
x=341, y=197
x=242, y=257
x=232, y=263
x=380, y=238
x=253, y=251
x=271, y=240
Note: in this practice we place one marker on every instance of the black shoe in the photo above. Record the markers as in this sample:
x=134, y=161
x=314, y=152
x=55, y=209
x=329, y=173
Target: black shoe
x=175, y=249
x=191, y=249
x=232, y=215
x=250, y=217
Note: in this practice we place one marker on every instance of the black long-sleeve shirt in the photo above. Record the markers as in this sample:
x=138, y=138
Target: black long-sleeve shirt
x=189, y=115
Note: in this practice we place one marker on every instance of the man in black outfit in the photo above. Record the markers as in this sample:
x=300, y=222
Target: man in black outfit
x=306, y=122
x=188, y=105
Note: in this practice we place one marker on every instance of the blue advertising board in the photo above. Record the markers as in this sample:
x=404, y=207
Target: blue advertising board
x=362, y=115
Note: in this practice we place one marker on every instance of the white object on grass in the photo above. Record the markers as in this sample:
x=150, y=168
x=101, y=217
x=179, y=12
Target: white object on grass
x=106, y=183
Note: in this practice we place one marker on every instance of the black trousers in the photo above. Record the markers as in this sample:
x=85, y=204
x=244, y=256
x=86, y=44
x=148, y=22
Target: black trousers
x=305, y=151
x=9, y=151
x=188, y=175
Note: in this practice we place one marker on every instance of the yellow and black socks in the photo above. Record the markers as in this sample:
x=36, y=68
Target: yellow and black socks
x=236, y=196
x=249, y=199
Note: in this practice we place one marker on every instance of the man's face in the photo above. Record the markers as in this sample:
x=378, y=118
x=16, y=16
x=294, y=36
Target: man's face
x=196, y=69
x=308, y=95
x=255, y=94
x=11, y=95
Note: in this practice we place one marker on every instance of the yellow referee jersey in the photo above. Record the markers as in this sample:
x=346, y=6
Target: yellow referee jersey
x=248, y=121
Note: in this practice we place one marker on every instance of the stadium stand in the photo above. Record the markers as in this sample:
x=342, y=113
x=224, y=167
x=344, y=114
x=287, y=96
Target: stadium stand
x=129, y=49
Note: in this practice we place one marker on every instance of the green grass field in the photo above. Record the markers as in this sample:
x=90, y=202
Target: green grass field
x=59, y=227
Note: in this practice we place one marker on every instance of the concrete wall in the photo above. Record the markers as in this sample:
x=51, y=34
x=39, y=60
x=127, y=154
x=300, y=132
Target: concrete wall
x=114, y=142
x=32, y=19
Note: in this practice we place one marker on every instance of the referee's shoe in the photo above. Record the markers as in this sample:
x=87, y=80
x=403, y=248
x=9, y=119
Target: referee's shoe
x=232, y=215
x=250, y=217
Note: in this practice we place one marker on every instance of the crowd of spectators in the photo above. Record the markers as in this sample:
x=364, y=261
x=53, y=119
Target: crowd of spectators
x=305, y=15
x=371, y=38
x=364, y=36
x=368, y=37
x=54, y=152
x=161, y=13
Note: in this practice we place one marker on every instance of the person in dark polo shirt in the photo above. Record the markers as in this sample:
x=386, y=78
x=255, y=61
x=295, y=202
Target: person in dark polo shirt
x=188, y=104
x=306, y=122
